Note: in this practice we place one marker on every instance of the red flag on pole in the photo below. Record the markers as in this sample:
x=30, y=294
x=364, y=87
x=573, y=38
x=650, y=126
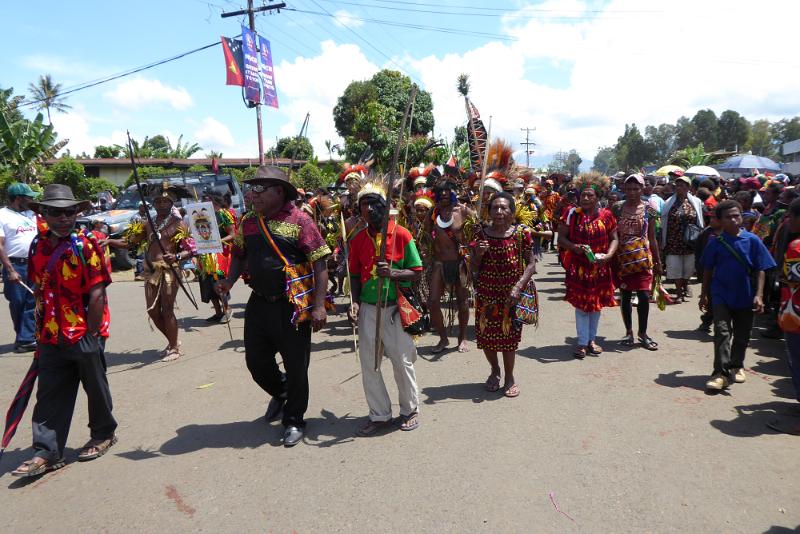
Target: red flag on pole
x=234, y=62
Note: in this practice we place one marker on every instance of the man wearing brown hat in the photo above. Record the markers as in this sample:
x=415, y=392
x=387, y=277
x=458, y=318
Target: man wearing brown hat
x=281, y=247
x=68, y=271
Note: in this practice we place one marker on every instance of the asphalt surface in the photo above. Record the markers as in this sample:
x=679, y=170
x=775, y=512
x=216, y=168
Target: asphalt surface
x=627, y=441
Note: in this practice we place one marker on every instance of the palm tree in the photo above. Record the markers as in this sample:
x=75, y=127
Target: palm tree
x=46, y=93
x=184, y=151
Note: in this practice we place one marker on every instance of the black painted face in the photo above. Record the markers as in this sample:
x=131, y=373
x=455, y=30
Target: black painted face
x=373, y=209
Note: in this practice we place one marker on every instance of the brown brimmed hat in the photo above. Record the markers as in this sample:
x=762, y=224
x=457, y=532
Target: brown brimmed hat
x=58, y=196
x=274, y=175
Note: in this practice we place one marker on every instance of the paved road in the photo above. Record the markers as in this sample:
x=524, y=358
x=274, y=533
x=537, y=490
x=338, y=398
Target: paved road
x=623, y=442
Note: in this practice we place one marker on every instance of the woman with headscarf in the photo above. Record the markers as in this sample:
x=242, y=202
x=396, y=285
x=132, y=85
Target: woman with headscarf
x=588, y=234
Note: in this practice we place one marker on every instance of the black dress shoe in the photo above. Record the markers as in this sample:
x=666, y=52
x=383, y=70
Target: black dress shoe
x=292, y=436
x=274, y=409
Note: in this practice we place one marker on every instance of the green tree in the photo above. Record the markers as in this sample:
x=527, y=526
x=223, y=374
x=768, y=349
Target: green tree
x=605, y=161
x=733, y=130
x=9, y=105
x=631, y=149
x=760, y=140
x=109, y=152
x=25, y=144
x=183, y=151
x=298, y=147
x=46, y=94
x=309, y=177
x=369, y=113
x=706, y=126
x=684, y=133
x=785, y=130
x=565, y=162
x=213, y=154
x=459, y=135
x=692, y=156
x=661, y=141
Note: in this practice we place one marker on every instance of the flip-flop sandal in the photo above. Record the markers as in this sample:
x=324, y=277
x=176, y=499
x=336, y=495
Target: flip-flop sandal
x=410, y=422
x=39, y=470
x=171, y=355
x=100, y=447
x=512, y=391
x=492, y=383
x=648, y=343
x=628, y=341
x=580, y=353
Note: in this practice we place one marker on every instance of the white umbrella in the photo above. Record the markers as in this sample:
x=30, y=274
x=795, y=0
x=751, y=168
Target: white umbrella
x=703, y=170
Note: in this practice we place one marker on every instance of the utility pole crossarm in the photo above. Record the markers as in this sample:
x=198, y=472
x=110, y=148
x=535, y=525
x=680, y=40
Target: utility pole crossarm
x=527, y=144
x=253, y=10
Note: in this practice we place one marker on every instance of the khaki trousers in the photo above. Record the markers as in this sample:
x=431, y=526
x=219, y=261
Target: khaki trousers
x=399, y=347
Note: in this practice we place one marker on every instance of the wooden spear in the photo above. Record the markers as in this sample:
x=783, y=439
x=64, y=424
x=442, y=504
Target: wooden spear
x=385, y=225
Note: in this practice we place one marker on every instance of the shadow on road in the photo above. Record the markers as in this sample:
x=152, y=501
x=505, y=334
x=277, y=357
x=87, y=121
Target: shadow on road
x=330, y=430
x=563, y=353
x=133, y=358
x=781, y=530
x=676, y=379
x=752, y=419
x=459, y=392
x=237, y=435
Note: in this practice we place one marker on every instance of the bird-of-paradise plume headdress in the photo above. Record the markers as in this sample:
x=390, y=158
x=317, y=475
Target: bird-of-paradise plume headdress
x=424, y=197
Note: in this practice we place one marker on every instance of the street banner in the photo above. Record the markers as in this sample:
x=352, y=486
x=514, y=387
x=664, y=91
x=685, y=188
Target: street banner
x=204, y=228
x=252, y=78
x=232, y=50
x=267, y=73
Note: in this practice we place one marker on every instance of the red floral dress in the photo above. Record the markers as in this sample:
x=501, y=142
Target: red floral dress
x=589, y=285
x=501, y=268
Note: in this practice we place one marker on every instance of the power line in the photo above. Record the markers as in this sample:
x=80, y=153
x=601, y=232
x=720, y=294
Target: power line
x=437, y=29
x=505, y=10
x=93, y=83
x=351, y=30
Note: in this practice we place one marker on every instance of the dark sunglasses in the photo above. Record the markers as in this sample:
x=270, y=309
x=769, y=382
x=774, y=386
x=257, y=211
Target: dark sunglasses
x=59, y=212
x=260, y=188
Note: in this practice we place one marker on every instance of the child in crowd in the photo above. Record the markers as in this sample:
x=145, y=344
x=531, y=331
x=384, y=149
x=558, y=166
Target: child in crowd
x=733, y=287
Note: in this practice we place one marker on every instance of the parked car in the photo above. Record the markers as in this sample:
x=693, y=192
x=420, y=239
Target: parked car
x=119, y=217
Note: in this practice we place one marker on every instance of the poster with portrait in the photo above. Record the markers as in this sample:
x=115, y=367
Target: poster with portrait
x=203, y=225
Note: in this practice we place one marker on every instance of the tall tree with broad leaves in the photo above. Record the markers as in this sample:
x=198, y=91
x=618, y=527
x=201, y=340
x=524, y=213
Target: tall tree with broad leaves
x=733, y=130
x=684, y=133
x=47, y=95
x=661, y=141
x=705, y=128
x=24, y=145
x=9, y=105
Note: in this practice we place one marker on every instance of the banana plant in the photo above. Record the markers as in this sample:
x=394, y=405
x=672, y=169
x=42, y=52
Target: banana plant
x=25, y=144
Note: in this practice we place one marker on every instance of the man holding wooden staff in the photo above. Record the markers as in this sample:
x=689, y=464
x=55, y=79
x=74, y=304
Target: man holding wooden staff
x=400, y=266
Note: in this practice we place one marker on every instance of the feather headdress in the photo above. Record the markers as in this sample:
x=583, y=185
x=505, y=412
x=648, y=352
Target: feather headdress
x=424, y=197
x=597, y=181
x=353, y=172
x=373, y=187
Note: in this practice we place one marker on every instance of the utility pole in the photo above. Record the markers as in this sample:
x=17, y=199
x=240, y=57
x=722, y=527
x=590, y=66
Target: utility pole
x=527, y=144
x=251, y=15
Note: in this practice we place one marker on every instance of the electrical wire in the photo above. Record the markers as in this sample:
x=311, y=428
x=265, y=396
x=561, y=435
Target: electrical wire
x=502, y=9
x=436, y=29
x=93, y=83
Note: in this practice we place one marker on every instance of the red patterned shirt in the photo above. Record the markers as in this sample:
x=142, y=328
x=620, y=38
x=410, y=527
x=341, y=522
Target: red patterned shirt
x=63, y=287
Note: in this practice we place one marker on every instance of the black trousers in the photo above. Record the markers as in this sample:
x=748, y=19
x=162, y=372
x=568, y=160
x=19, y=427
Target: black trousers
x=268, y=331
x=731, y=336
x=61, y=369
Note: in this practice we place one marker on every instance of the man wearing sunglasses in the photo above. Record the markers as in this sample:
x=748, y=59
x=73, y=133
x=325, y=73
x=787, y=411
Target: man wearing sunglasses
x=273, y=240
x=17, y=230
x=67, y=270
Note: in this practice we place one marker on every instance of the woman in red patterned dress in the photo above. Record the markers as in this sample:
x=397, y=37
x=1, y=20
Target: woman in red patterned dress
x=588, y=234
x=503, y=261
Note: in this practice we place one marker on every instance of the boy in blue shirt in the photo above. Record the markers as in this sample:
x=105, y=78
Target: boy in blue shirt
x=734, y=263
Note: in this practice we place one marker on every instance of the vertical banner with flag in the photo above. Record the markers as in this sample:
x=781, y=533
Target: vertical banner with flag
x=267, y=73
x=252, y=79
x=232, y=50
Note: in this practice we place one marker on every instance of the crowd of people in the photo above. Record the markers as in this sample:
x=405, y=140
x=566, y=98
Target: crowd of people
x=420, y=254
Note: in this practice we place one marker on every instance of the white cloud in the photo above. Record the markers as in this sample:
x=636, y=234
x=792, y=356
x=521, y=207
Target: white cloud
x=312, y=85
x=634, y=61
x=140, y=92
x=214, y=135
x=76, y=125
x=343, y=18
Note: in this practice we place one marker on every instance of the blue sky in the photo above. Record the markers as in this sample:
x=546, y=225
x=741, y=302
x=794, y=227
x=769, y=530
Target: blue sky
x=576, y=71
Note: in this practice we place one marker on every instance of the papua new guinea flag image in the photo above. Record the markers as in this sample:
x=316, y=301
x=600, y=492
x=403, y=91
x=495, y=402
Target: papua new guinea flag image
x=234, y=61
